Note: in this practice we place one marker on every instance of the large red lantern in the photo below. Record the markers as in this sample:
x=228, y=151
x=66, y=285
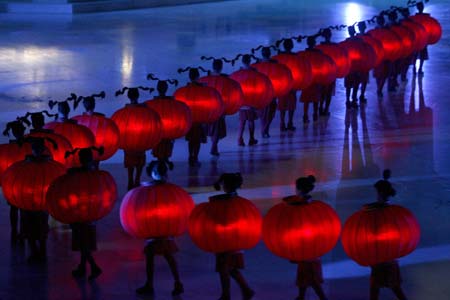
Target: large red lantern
x=298, y=230
x=407, y=38
x=323, y=67
x=375, y=235
x=11, y=153
x=300, y=69
x=361, y=54
x=140, y=127
x=205, y=102
x=340, y=57
x=225, y=225
x=391, y=42
x=432, y=27
x=229, y=90
x=176, y=116
x=421, y=35
x=280, y=76
x=78, y=135
x=25, y=183
x=81, y=196
x=377, y=48
x=152, y=211
x=105, y=131
x=62, y=145
x=257, y=88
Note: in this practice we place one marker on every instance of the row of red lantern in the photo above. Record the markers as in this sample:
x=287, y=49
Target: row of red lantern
x=294, y=229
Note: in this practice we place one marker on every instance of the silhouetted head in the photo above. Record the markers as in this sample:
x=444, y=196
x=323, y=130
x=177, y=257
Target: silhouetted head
x=38, y=146
x=420, y=7
x=380, y=20
x=351, y=30
x=89, y=103
x=230, y=182
x=362, y=27
x=37, y=120
x=305, y=185
x=194, y=74
x=86, y=156
x=162, y=87
x=157, y=170
x=217, y=65
x=311, y=41
x=63, y=108
x=17, y=128
x=246, y=59
x=326, y=33
x=288, y=45
x=384, y=187
x=265, y=52
x=133, y=94
x=393, y=16
x=405, y=12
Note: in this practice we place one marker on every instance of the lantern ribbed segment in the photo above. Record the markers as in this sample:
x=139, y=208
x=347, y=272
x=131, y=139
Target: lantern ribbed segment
x=229, y=90
x=280, y=76
x=300, y=69
x=257, y=88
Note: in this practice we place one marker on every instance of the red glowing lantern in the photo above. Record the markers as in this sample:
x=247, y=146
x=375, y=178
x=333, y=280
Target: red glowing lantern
x=81, y=196
x=205, y=102
x=377, y=48
x=225, y=225
x=159, y=210
x=140, y=127
x=421, y=35
x=257, y=88
x=298, y=230
x=380, y=234
x=79, y=136
x=431, y=25
x=229, y=90
x=300, y=69
x=280, y=76
x=176, y=116
x=62, y=145
x=323, y=67
x=26, y=182
x=105, y=131
x=407, y=38
x=391, y=42
x=11, y=153
x=361, y=54
x=339, y=56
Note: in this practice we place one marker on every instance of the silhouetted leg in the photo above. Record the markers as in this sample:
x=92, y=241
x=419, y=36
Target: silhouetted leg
x=241, y=132
x=178, y=286
x=282, y=120
x=149, y=269
x=251, y=129
x=81, y=269
x=362, y=97
x=319, y=291
x=305, y=112
x=130, y=178
x=421, y=61
x=225, y=284
x=137, y=180
x=95, y=269
x=301, y=293
x=291, y=120
x=247, y=292
x=43, y=248
x=14, y=220
x=214, y=145
x=316, y=111
x=374, y=292
x=399, y=293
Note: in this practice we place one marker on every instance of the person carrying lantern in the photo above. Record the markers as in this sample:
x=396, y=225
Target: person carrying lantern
x=163, y=246
x=421, y=55
x=309, y=272
x=229, y=263
x=134, y=160
x=311, y=94
x=247, y=113
x=289, y=101
x=363, y=77
x=328, y=90
x=84, y=234
x=385, y=274
x=383, y=71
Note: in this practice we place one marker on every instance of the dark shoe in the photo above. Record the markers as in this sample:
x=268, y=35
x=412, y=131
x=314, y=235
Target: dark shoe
x=215, y=153
x=379, y=94
x=291, y=127
x=241, y=142
x=225, y=297
x=348, y=104
x=315, y=117
x=362, y=99
x=252, y=142
x=247, y=295
x=95, y=272
x=79, y=272
x=178, y=289
x=283, y=128
x=354, y=104
x=145, y=290
x=305, y=120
